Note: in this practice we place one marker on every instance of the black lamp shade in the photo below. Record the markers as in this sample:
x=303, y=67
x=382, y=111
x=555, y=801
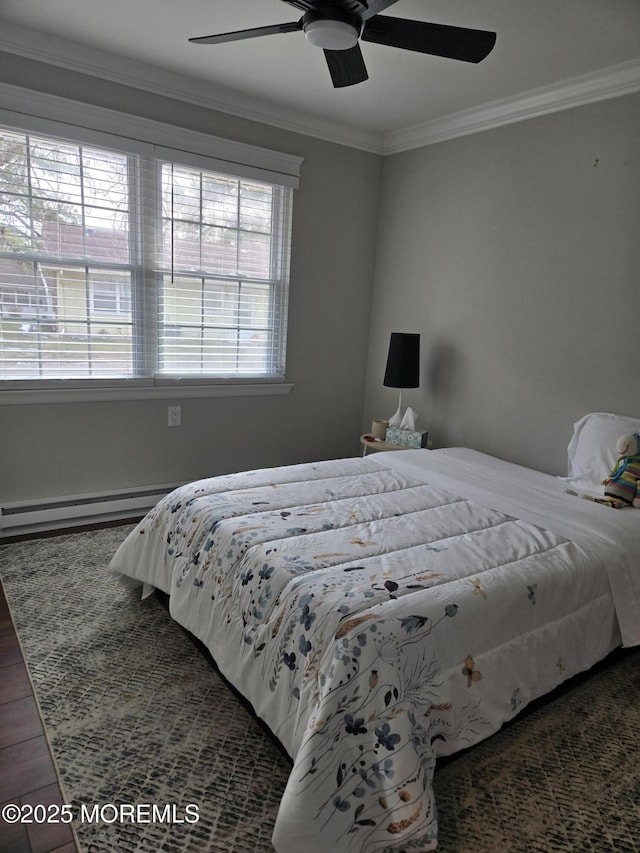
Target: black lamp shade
x=403, y=361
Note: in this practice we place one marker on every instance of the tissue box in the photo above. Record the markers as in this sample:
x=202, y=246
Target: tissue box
x=406, y=437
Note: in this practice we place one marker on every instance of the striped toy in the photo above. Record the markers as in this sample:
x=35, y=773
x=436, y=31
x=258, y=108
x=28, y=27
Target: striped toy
x=621, y=486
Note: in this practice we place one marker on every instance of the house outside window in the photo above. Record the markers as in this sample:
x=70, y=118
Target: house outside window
x=119, y=266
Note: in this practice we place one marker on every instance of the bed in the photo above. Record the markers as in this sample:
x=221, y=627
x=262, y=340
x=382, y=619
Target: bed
x=382, y=611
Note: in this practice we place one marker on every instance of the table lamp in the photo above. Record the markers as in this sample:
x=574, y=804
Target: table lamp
x=403, y=366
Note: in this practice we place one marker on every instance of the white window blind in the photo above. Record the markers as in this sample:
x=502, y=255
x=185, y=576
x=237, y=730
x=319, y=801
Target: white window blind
x=222, y=268
x=118, y=265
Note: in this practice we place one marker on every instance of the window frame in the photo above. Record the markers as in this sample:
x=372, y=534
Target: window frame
x=154, y=142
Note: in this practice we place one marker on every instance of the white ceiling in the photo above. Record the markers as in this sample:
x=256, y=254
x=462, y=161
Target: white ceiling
x=547, y=52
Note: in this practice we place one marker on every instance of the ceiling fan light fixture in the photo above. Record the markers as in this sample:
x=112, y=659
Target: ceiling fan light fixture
x=331, y=35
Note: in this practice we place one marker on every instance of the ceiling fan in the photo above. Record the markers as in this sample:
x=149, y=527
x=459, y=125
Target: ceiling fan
x=337, y=25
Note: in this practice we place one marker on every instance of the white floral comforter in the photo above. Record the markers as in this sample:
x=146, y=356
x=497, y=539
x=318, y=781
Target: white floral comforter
x=375, y=618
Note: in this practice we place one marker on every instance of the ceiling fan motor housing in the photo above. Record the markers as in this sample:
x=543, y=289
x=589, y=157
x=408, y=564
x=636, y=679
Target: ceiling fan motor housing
x=332, y=30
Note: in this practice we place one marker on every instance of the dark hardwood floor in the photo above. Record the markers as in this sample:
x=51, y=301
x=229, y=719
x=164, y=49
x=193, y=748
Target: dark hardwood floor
x=27, y=772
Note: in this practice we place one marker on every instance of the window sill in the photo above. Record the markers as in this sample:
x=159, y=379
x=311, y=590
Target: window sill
x=172, y=391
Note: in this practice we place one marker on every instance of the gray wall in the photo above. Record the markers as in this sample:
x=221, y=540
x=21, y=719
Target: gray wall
x=516, y=254
x=50, y=450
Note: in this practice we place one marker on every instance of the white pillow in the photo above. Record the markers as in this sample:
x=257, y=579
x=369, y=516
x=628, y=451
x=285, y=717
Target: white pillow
x=592, y=450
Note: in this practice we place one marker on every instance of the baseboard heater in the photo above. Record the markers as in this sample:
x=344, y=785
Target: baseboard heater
x=76, y=510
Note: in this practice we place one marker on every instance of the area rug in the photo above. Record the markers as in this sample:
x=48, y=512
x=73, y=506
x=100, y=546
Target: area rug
x=137, y=715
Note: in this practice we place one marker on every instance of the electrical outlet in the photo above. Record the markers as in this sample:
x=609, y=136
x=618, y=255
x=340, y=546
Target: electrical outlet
x=175, y=416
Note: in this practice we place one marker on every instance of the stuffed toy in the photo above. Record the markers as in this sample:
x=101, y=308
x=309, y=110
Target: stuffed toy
x=622, y=486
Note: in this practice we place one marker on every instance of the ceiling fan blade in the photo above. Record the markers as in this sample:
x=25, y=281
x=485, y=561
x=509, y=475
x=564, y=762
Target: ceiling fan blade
x=303, y=5
x=346, y=66
x=220, y=38
x=374, y=7
x=437, y=39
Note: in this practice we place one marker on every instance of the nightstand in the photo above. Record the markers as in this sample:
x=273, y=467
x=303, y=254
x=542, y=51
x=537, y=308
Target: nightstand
x=378, y=445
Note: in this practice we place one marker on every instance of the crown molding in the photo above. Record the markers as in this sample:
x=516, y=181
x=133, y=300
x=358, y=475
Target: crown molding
x=611, y=82
x=606, y=83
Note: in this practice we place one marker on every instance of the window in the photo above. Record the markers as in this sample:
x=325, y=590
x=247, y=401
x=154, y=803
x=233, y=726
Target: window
x=110, y=293
x=124, y=266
